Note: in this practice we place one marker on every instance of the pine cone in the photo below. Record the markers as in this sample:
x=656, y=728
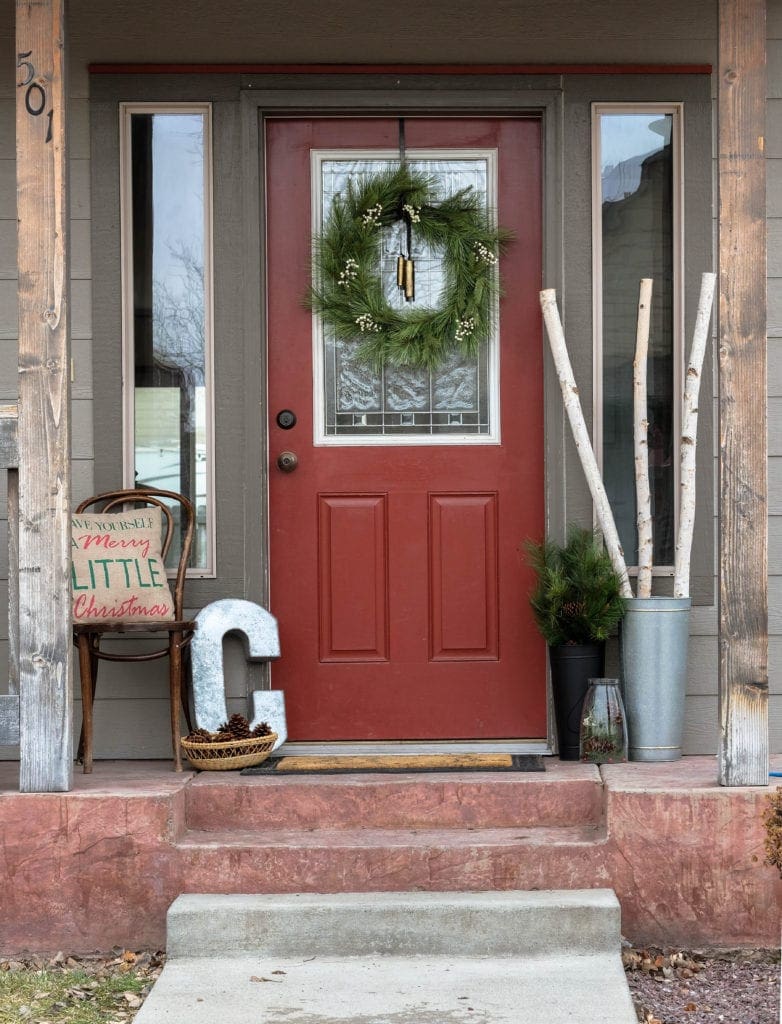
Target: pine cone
x=200, y=736
x=262, y=729
x=239, y=727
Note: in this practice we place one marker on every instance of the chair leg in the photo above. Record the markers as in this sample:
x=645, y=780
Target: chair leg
x=94, y=663
x=87, y=697
x=175, y=680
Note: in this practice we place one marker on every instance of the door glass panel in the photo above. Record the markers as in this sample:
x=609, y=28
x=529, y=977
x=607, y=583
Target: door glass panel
x=453, y=400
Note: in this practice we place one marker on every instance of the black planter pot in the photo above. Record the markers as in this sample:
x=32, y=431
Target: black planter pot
x=571, y=666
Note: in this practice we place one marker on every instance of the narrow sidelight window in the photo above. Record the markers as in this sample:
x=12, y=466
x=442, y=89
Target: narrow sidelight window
x=637, y=183
x=167, y=308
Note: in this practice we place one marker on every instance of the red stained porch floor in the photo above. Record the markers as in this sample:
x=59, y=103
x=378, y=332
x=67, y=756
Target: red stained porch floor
x=100, y=865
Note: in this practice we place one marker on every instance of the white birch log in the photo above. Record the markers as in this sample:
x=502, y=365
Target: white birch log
x=681, y=578
x=605, y=518
x=643, y=499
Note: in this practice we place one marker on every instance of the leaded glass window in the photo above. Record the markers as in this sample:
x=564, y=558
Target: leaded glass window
x=457, y=400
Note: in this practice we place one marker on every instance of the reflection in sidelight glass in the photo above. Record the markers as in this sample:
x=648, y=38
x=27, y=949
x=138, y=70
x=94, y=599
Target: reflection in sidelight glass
x=168, y=179
x=636, y=236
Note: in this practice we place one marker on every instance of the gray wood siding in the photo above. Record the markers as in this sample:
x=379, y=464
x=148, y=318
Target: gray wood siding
x=131, y=712
x=541, y=31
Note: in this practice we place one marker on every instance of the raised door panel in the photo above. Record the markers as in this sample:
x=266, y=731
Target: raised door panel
x=463, y=577
x=353, y=577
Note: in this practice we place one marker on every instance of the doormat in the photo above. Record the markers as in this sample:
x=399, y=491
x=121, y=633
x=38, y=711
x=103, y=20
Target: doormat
x=343, y=765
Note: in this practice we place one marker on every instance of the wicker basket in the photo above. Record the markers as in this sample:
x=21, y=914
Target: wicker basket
x=229, y=755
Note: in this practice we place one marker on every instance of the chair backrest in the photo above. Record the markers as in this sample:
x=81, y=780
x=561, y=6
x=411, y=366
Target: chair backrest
x=139, y=497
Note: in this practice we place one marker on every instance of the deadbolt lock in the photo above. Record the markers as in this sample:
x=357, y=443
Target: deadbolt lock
x=286, y=419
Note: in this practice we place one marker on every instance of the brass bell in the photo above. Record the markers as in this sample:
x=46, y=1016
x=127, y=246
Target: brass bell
x=409, y=281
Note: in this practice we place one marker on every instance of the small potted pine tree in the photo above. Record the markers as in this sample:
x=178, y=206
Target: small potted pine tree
x=577, y=604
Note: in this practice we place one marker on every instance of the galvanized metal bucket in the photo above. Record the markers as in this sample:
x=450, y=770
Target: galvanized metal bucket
x=653, y=643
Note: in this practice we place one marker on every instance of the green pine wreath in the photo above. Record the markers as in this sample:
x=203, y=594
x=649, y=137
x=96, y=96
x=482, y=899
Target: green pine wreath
x=348, y=291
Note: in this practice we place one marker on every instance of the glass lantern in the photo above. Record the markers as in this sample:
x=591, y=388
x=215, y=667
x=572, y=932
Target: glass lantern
x=603, y=734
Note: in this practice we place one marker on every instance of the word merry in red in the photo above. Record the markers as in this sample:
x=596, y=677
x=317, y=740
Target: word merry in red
x=103, y=540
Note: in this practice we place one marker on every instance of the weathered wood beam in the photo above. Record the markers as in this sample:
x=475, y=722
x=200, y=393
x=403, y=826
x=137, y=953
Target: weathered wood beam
x=743, y=543
x=44, y=399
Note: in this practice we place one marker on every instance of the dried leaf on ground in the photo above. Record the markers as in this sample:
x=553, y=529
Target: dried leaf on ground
x=676, y=987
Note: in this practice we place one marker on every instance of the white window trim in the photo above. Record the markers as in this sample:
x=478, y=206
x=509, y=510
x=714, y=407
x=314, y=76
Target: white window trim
x=320, y=437
x=126, y=235
x=677, y=112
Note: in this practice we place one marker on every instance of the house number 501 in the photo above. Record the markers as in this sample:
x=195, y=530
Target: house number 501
x=35, y=94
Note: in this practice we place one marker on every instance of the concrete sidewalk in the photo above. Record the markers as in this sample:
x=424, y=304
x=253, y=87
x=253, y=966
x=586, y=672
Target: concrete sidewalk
x=393, y=958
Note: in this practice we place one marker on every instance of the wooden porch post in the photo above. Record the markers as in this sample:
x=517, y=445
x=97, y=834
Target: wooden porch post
x=44, y=400
x=743, y=544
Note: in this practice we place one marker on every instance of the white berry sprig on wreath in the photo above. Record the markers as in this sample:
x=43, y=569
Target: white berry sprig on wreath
x=365, y=322
x=350, y=273
x=464, y=328
x=372, y=215
x=484, y=255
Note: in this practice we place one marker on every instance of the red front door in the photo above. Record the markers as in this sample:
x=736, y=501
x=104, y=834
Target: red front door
x=396, y=572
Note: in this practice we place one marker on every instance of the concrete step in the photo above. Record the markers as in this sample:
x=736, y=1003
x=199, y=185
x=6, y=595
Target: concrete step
x=395, y=924
x=393, y=958
x=566, y=794
x=361, y=860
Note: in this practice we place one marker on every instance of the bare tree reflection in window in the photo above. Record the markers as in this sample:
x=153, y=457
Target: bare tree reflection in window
x=170, y=308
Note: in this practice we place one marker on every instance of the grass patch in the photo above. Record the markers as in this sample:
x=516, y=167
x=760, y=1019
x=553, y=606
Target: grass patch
x=88, y=990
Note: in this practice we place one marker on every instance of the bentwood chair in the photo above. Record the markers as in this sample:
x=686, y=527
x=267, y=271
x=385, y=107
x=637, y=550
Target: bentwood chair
x=88, y=636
